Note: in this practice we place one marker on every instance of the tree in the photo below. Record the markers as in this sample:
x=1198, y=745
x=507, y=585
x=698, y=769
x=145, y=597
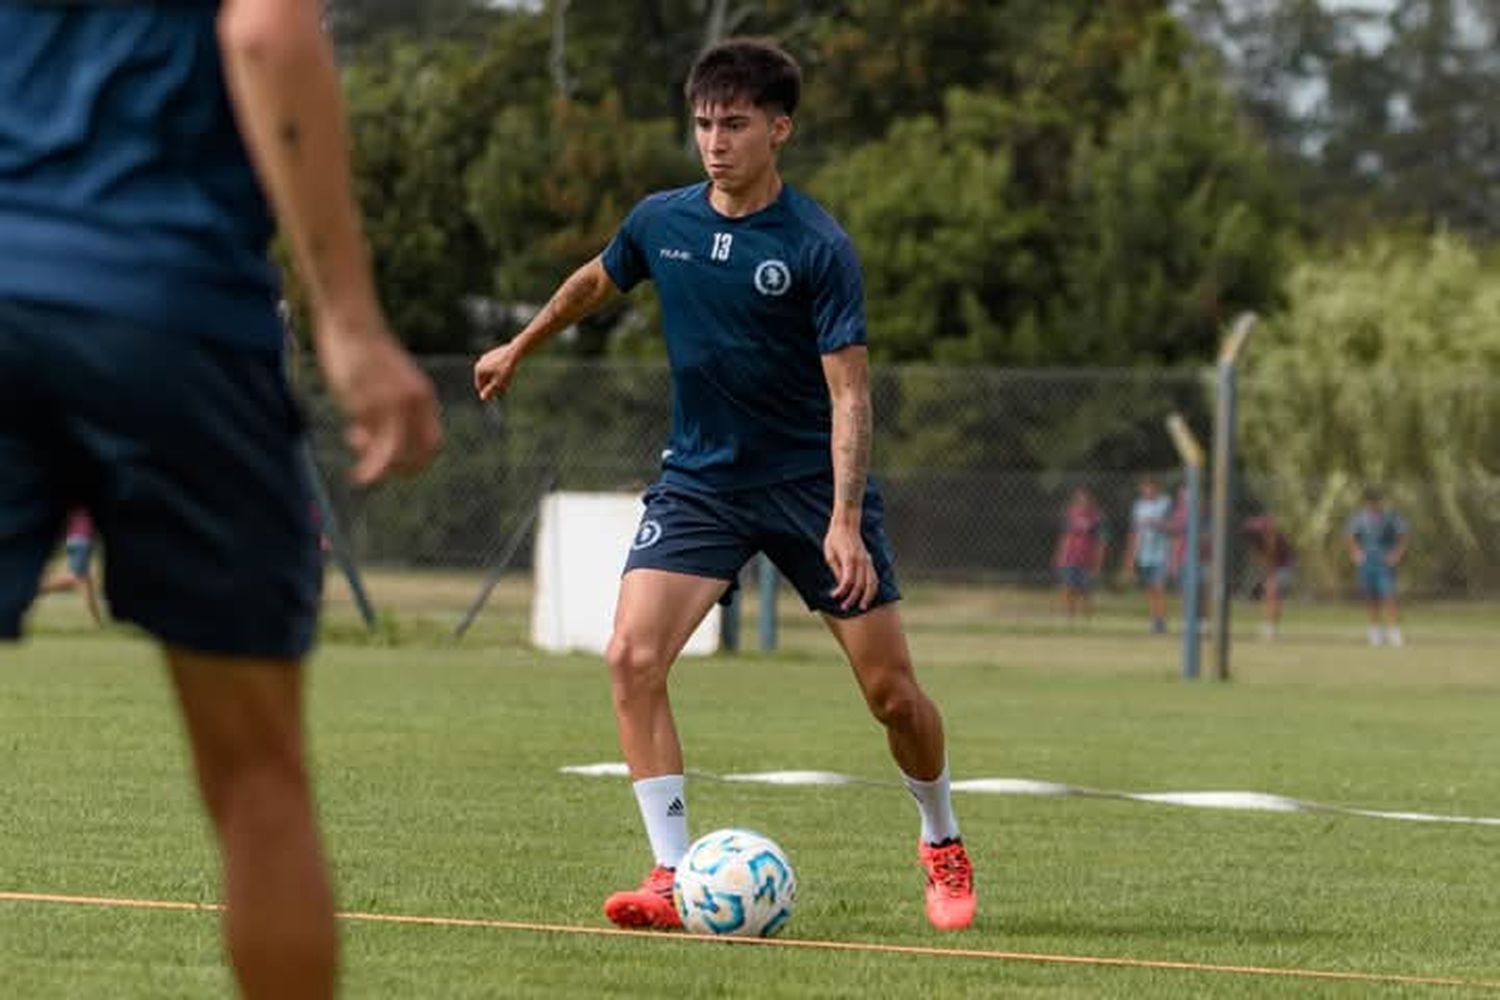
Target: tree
x=420, y=115
x=1382, y=370
x=552, y=186
x=1180, y=223
x=1166, y=219
x=1382, y=109
x=358, y=23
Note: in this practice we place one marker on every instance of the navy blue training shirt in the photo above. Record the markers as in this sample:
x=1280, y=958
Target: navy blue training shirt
x=749, y=307
x=125, y=188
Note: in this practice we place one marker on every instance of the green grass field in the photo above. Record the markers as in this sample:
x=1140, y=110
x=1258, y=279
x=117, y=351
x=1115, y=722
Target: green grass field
x=438, y=776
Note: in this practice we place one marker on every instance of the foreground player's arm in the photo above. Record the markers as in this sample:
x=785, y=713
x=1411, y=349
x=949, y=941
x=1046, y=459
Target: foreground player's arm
x=847, y=372
x=586, y=291
x=280, y=72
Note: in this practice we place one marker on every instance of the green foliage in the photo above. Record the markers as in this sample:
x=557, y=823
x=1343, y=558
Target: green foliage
x=420, y=117
x=1028, y=182
x=553, y=184
x=1180, y=223
x=1382, y=369
x=1381, y=111
x=943, y=234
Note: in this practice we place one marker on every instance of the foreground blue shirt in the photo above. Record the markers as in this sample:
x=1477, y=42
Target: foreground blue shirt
x=125, y=188
x=749, y=307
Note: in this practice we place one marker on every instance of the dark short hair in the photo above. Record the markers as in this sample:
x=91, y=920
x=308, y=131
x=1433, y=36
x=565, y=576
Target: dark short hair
x=1374, y=494
x=751, y=69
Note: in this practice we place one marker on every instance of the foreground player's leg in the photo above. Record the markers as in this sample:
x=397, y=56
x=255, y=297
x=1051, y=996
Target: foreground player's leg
x=876, y=647
x=244, y=723
x=654, y=619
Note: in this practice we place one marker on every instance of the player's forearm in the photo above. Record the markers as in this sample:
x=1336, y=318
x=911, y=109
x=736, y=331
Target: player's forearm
x=586, y=290
x=282, y=80
x=853, y=432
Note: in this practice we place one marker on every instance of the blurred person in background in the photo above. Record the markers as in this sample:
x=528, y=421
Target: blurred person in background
x=1378, y=538
x=1148, y=548
x=1079, y=556
x=78, y=548
x=1275, y=561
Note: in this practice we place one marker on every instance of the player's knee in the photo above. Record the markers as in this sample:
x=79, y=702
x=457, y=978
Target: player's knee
x=635, y=666
x=266, y=787
x=895, y=701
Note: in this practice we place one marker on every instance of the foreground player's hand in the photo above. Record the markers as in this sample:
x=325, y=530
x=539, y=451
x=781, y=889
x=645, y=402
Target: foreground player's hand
x=494, y=370
x=392, y=412
x=853, y=570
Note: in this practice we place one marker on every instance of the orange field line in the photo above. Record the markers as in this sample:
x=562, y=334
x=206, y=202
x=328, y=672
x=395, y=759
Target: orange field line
x=851, y=946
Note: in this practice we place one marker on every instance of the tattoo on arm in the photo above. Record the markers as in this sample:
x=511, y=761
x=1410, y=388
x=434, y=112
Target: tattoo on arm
x=852, y=449
x=571, y=302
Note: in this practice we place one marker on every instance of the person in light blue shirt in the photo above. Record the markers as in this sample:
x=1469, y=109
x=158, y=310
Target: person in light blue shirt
x=769, y=451
x=1378, y=538
x=1148, y=550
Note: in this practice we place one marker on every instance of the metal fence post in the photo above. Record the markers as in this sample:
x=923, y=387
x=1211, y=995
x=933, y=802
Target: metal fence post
x=768, y=580
x=1192, y=570
x=1224, y=486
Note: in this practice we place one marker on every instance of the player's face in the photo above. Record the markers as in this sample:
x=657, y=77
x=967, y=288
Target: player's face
x=738, y=142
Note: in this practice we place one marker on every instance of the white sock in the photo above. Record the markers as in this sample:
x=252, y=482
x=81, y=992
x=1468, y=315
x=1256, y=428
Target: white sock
x=935, y=803
x=1393, y=636
x=664, y=811
x=1377, y=637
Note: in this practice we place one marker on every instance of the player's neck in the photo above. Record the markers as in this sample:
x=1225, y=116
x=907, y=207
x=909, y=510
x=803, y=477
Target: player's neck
x=740, y=202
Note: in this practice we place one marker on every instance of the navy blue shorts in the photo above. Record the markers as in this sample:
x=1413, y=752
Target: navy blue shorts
x=187, y=454
x=715, y=534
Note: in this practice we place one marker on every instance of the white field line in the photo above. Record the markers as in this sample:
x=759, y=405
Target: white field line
x=1242, y=801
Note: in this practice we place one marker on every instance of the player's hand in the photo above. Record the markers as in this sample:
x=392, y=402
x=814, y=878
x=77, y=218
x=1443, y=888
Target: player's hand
x=853, y=570
x=494, y=370
x=392, y=412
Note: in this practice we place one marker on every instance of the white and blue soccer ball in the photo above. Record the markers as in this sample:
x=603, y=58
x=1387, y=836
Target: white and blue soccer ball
x=735, y=882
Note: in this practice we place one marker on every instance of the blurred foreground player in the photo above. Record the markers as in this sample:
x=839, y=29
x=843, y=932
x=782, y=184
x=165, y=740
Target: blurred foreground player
x=141, y=379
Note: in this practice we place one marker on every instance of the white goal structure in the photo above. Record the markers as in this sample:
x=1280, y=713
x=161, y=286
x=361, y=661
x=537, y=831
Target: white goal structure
x=582, y=540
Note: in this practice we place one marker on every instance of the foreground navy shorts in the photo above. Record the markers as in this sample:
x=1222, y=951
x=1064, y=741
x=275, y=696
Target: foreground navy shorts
x=715, y=534
x=187, y=454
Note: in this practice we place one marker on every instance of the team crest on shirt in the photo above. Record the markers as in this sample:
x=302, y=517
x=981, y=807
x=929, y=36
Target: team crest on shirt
x=648, y=534
x=773, y=277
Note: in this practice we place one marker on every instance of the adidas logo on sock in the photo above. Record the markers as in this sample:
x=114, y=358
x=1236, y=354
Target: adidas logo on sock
x=676, y=808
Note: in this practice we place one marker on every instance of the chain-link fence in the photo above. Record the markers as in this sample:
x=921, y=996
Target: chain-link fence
x=976, y=466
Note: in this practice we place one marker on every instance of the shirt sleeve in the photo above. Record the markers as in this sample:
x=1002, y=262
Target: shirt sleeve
x=838, y=297
x=625, y=257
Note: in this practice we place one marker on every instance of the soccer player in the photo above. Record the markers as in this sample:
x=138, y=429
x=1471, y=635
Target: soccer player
x=1377, y=544
x=1148, y=549
x=1080, y=552
x=78, y=545
x=141, y=379
x=763, y=313
x=1275, y=561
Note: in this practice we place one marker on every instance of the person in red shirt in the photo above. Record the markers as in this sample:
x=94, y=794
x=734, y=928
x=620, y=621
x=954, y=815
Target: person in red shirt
x=1080, y=552
x=1276, y=563
x=78, y=543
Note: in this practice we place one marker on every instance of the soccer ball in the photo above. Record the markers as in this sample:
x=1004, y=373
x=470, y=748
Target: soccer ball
x=734, y=882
